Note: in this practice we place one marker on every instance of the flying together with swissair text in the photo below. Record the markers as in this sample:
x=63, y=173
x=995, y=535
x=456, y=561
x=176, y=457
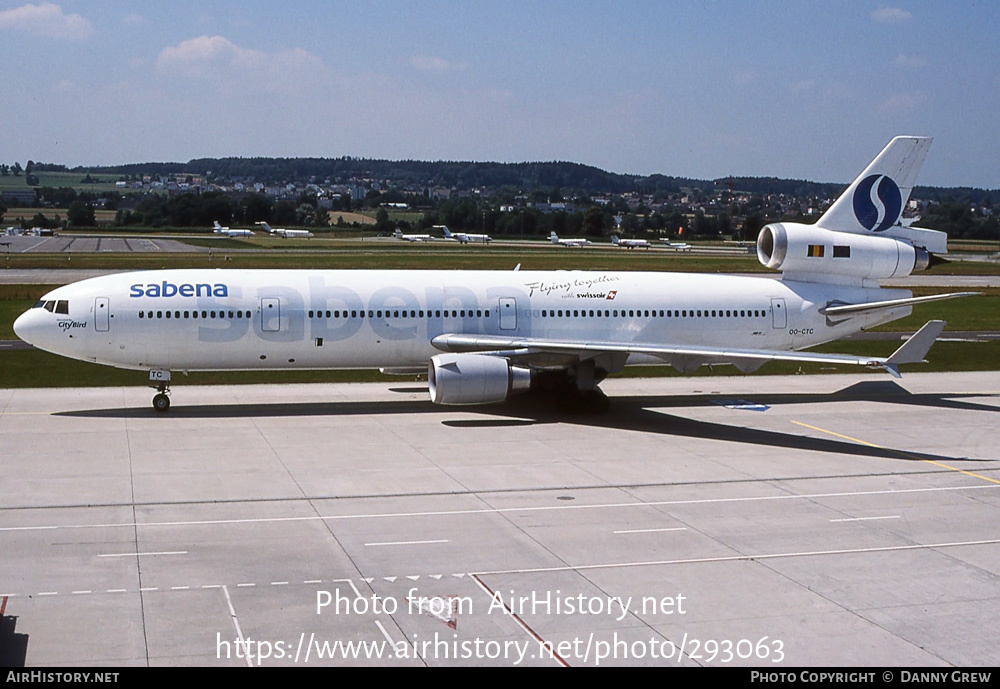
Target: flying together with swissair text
x=482, y=336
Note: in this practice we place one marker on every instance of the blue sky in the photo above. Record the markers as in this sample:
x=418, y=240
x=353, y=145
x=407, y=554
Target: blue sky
x=690, y=88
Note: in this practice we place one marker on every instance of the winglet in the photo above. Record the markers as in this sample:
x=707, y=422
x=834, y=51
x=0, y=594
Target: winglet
x=915, y=349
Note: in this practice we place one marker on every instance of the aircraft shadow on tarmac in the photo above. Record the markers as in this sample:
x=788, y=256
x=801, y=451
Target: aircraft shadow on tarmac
x=643, y=414
x=13, y=646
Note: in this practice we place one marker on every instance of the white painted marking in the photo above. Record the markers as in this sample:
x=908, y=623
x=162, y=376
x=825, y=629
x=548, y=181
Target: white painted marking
x=117, y=591
x=279, y=583
x=313, y=581
x=165, y=552
x=673, y=528
x=143, y=589
x=405, y=543
x=243, y=585
x=49, y=593
x=866, y=519
x=505, y=510
x=737, y=558
x=179, y=588
x=77, y=593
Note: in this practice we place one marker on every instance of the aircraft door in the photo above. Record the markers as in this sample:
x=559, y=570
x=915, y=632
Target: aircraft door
x=102, y=314
x=779, y=320
x=508, y=313
x=270, y=315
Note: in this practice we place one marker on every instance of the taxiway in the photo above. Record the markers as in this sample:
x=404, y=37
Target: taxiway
x=772, y=521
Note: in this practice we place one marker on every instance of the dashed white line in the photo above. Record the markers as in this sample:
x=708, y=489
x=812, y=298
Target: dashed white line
x=865, y=519
x=166, y=552
x=673, y=528
x=507, y=510
x=444, y=540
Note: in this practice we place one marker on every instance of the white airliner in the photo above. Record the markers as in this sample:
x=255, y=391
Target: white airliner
x=398, y=234
x=554, y=238
x=219, y=229
x=629, y=243
x=287, y=234
x=676, y=246
x=463, y=237
x=484, y=335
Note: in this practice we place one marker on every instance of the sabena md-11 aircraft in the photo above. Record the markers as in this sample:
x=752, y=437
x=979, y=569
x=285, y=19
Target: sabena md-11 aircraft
x=482, y=336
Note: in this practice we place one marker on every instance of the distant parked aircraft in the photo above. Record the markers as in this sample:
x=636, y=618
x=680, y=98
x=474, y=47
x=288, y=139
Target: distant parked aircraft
x=629, y=243
x=219, y=229
x=288, y=234
x=676, y=246
x=398, y=234
x=463, y=237
x=554, y=238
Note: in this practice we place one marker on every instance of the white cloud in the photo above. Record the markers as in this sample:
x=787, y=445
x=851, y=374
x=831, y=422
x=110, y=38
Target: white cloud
x=909, y=61
x=891, y=15
x=427, y=63
x=47, y=20
x=218, y=57
x=897, y=102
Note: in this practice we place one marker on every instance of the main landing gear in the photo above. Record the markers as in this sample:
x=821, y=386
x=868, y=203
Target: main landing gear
x=161, y=402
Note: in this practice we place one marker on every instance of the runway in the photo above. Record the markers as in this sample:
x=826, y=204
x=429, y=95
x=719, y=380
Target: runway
x=767, y=521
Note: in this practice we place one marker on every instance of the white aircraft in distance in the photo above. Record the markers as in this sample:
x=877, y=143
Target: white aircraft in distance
x=219, y=229
x=287, y=234
x=485, y=335
x=398, y=234
x=629, y=243
x=463, y=237
x=676, y=246
x=554, y=238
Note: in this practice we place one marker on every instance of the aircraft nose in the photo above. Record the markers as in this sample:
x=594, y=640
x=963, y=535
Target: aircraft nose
x=26, y=326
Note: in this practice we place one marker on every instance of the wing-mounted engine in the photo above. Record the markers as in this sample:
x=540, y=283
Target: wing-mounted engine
x=814, y=254
x=474, y=379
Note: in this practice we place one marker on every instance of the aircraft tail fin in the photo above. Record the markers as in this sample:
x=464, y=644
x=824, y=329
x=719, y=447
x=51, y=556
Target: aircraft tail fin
x=875, y=200
x=553, y=237
x=615, y=240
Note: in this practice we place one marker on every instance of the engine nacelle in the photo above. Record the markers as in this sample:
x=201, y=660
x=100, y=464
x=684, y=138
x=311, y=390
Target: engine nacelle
x=808, y=251
x=474, y=379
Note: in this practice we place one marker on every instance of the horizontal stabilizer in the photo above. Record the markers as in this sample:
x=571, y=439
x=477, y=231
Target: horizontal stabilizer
x=846, y=309
x=915, y=349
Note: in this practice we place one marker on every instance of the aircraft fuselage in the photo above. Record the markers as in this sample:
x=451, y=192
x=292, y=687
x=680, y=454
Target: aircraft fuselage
x=317, y=319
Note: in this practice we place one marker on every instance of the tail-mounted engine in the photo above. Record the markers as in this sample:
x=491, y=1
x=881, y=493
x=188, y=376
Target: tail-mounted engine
x=813, y=254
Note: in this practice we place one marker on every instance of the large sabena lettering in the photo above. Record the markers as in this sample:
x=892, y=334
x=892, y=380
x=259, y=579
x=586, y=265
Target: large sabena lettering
x=169, y=289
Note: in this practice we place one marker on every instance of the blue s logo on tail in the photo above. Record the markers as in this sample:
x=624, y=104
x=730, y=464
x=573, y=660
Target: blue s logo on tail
x=886, y=201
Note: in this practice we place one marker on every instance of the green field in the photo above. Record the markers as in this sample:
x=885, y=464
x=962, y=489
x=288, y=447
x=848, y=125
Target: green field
x=63, y=179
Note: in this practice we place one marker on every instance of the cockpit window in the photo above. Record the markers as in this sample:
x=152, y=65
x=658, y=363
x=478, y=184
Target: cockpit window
x=60, y=306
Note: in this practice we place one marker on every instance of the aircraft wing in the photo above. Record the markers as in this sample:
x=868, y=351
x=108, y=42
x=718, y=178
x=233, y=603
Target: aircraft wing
x=686, y=358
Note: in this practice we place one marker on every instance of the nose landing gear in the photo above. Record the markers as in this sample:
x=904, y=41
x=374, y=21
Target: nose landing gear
x=161, y=402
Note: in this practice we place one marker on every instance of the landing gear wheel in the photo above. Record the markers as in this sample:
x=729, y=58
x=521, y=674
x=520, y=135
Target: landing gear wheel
x=161, y=402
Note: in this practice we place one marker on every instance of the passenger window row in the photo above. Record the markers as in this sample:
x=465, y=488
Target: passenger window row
x=194, y=314
x=650, y=313
x=437, y=313
x=62, y=307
